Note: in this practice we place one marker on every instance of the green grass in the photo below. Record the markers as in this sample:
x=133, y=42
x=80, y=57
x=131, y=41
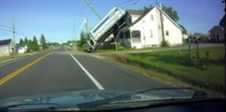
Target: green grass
x=208, y=73
x=111, y=48
x=3, y=58
x=81, y=49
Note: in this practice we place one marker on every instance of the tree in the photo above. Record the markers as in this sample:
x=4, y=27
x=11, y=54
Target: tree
x=83, y=38
x=26, y=41
x=21, y=43
x=43, y=42
x=147, y=9
x=184, y=29
x=172, y=13
x=35, y=45
x=29, y=45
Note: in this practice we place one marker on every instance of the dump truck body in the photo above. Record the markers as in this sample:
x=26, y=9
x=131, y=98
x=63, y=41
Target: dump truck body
x=105, y=27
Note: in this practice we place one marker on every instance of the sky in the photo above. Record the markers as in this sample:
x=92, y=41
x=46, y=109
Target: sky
x=60, y=20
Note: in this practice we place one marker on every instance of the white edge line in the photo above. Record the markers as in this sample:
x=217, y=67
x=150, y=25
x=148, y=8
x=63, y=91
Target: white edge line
x=98, y=85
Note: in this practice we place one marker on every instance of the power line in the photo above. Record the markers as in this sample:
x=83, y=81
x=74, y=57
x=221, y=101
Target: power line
x=10, y=31
x=5, y=26
x=88, y=3
x=130, y=1
x=127, y=3
x=7, y=33
x=6, y=30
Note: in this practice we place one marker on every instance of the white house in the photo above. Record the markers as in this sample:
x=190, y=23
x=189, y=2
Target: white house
x=216, y=34
x=146, y=29
x=22, y=50
x=6, y=47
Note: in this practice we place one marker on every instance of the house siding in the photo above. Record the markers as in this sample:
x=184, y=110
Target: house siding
x=5, y=50
x=175, y=36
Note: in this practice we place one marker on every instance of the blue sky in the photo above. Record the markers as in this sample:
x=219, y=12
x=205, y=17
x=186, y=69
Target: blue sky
x=60, y=20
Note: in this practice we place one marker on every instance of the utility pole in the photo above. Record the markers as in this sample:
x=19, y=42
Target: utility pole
x=162, y=24
x=14, y=37
x=86, y=25
x=225, y=46
x=223, y=23
x=92, y=8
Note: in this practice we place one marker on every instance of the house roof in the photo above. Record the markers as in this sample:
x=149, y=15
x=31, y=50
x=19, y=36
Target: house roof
x=216, y=28
x=135, y=12
x=5, y=42
x=143, y=13
x=174, y=22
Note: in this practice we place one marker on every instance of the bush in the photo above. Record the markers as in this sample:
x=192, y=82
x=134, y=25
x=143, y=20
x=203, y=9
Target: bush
x=164, y=43
x=84, y=37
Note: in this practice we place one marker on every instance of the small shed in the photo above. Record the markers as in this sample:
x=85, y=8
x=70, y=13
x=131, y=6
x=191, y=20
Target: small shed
x=6, y=47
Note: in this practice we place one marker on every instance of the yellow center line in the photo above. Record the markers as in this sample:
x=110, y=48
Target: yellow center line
x=20, y=70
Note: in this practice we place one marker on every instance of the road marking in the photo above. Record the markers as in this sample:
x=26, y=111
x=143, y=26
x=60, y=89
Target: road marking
x=7, y=63
x=13, y=60
x=98, y=85
x=20, y=70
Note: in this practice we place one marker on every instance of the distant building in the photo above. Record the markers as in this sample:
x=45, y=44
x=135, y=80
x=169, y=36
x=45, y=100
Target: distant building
x=216, y=34
x=146, y=29
x=6, y=47
x=22, y=50
x=185, y=36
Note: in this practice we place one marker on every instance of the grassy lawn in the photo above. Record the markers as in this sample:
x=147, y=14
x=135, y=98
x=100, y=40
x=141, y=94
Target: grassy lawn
x=3, y=58
x=207, y=72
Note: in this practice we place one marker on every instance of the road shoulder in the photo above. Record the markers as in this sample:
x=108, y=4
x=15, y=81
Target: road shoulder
x=107, y=70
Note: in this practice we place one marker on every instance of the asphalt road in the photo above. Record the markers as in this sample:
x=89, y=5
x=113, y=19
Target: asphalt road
x=63, y=71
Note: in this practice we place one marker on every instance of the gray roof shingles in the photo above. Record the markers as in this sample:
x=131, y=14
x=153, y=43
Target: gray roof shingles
x=5, y=42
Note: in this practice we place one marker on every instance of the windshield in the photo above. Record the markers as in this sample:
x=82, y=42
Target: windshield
x=82, y=51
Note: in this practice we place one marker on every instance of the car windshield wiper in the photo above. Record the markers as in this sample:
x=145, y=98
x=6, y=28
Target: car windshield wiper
x=29, y=107
x=126, y=98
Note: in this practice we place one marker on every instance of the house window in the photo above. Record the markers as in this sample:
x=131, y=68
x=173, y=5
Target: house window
x=167, y=33
x=136, y=35
x=151, y=33
x=218, y=39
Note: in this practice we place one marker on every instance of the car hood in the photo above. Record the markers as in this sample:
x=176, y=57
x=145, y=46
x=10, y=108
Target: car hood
x=85, y=96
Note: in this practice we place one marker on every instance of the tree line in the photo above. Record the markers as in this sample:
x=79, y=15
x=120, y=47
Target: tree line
x=84, y=36
x=32, y=44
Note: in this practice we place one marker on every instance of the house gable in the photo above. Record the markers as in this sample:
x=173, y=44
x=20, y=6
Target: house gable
x=169, y=18
x=164, y=14
x=5, y=42
x=149, y=25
